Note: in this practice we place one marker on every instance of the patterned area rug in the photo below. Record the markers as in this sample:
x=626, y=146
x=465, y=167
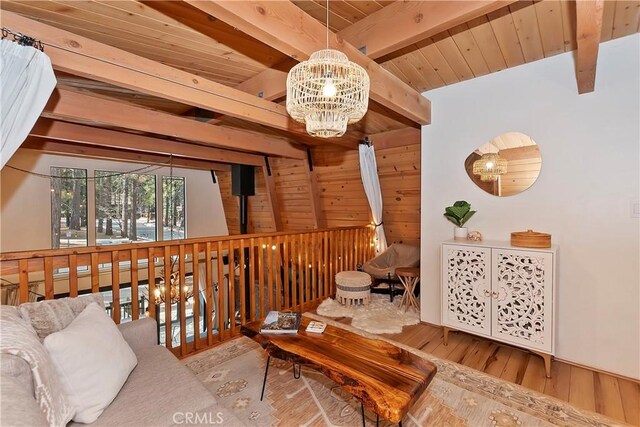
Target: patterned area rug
x=457, y=396
x=380, y=316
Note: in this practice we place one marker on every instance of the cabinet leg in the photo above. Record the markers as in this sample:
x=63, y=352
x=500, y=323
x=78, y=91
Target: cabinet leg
x=547, y=362
x=445, y=339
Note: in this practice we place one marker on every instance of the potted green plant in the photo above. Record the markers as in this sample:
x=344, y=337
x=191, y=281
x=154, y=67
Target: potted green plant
x=459, y=214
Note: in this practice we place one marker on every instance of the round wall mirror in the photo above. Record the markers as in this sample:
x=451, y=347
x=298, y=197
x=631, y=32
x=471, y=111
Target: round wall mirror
x=506, y=165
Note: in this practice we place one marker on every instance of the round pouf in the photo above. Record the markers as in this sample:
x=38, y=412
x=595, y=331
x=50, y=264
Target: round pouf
x=353, y=288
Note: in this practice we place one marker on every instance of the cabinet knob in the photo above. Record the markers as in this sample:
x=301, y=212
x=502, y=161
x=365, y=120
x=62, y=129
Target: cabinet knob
x=494, y=294
x=487, y=293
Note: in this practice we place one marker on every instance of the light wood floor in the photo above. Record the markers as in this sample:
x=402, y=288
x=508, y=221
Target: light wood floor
x=606, y=394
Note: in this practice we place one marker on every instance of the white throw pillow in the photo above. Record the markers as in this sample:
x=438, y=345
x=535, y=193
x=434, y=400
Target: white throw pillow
x=93, y=361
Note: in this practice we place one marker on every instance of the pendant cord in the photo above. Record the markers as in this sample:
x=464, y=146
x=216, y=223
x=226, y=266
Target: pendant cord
x=327, y=24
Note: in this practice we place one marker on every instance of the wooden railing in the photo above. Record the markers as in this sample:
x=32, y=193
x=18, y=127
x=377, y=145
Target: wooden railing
x=244, y=278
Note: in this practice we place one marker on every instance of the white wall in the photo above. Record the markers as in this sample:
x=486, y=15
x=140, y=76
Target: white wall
x=589, y=178
x=25, y=199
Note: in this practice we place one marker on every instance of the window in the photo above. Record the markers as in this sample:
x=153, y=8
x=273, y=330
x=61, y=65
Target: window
x=173, y=206
x=68, y=207
x=125, y=208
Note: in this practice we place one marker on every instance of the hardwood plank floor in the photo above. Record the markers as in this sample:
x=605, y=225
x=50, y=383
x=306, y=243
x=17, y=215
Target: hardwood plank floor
x=587, y=389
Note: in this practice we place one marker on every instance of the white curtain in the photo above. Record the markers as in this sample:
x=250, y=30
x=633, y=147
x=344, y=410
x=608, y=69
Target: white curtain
x=371, y=183
x=27, y=82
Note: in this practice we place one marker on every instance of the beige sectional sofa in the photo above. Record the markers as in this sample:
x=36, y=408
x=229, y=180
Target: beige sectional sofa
x=160, y=391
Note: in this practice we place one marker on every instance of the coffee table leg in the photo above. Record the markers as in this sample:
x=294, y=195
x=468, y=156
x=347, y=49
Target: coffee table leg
x=296, y=372
x=264, y=382
x=362, y=407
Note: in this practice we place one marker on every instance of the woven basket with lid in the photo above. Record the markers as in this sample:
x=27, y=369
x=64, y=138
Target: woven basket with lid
x=530, y=239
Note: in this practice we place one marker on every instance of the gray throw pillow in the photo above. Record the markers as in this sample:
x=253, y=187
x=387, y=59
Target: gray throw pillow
x=47, y=317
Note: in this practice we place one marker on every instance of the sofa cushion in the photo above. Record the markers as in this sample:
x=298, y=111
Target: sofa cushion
x=157, y=392
x=17, y=405
x=50, y=316
x=18, y=338
x=93, y=361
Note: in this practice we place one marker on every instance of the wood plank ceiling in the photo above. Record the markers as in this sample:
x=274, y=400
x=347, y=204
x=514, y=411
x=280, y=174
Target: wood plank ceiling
x=181, y=36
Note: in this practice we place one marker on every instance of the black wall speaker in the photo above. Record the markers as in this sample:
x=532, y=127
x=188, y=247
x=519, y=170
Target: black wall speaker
x=243, y=181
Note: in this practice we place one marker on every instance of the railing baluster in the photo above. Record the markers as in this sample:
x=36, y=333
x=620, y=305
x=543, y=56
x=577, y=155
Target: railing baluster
x=135, y=298
x=314, y=269
x=261, y=246
x=182, y=308
x=221, y=293
x=325, y=258
x=286, y=286
x=210, y=301
x=23, y=278
x=167, y=297
x=49, y=292
x=301, y=270
x=232, y=288
x=95, y=273
x=243, y=283
x=115, y=286
x=151, y=284
x=252, y=279
x=270, y=250
x=73, y=275
x=278, y=273
x=307, y=272
x=332, y=260
x=293, y=259
x=195, y=264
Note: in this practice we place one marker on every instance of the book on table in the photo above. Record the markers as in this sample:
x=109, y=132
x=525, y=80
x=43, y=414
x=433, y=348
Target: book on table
x=281, y=322
x=316, y=327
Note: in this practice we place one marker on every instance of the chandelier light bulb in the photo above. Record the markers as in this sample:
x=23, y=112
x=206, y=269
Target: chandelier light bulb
x=329, y=90
x=489, y=165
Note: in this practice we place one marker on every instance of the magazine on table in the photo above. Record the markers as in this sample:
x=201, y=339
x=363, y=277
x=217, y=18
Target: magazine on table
x=281, y=322
x=316, y=327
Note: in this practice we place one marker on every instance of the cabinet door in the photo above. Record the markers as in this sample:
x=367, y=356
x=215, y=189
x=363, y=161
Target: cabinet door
x=466, y=301
x=522, y=298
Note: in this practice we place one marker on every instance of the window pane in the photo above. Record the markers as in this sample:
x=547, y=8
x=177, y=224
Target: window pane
x=174, y=208
x=68, y=207
x=125, y=208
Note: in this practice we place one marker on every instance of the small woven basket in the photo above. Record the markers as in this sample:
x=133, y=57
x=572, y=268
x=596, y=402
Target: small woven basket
x=530, y=239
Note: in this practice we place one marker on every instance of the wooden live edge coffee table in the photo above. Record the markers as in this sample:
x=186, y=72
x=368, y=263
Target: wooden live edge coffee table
x=384, y=377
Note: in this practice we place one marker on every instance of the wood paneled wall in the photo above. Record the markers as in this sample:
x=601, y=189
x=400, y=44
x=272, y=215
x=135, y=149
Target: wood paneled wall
x=259, y=208
x=399, y=171
x=293, y=193
x=342, y=198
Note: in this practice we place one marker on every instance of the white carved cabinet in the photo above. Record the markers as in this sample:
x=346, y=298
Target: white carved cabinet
x=501, y=292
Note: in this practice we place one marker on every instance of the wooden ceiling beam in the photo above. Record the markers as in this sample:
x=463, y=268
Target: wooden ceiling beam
x=84, y=57
x=289, y=29
x=69, y=105
x=396, y=138
x=102, y=153
x=588, y=29
x=89, y=135
x=528, y=152
x=403, y=23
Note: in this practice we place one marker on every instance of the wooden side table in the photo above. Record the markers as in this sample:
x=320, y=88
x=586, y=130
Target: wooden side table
x=409, y=277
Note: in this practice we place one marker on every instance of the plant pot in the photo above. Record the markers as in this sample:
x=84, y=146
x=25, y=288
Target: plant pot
x=460, y=233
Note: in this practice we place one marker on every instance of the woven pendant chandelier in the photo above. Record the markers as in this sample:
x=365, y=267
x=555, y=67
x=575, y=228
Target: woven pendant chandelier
x=327, y=92
x=490, y=166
